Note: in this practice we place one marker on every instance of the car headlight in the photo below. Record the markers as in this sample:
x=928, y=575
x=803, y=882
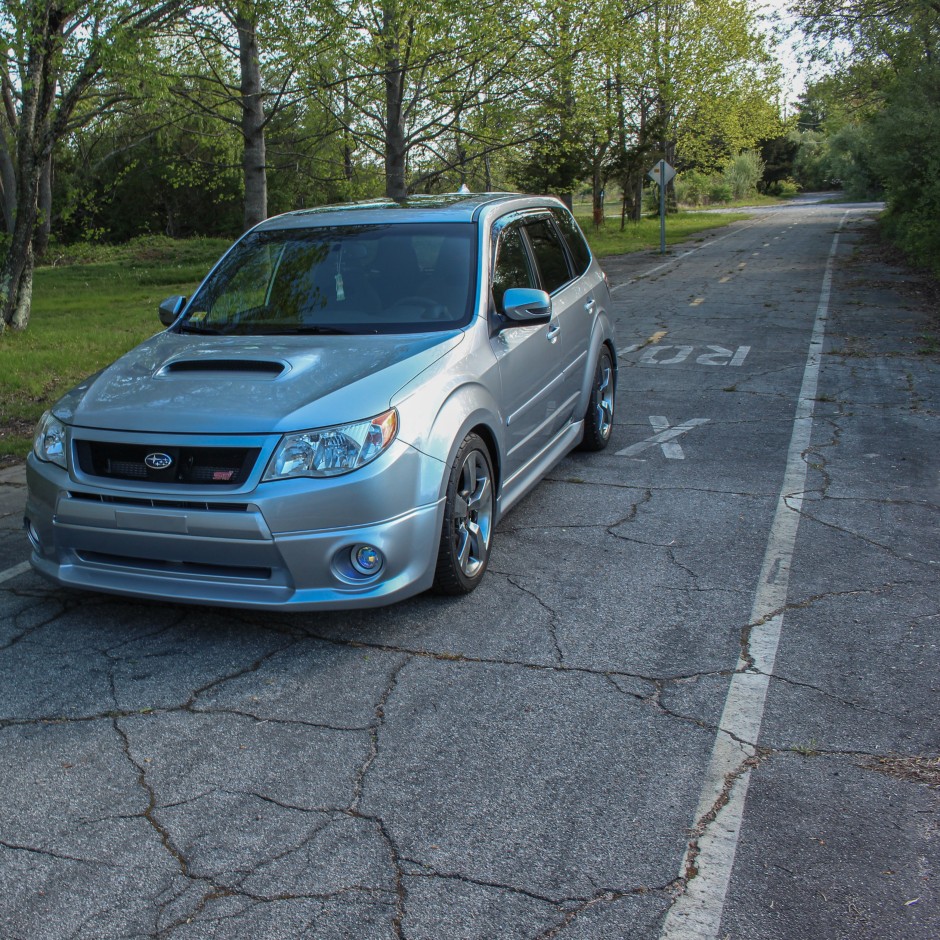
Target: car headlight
x=328, y=452
x=49, y=440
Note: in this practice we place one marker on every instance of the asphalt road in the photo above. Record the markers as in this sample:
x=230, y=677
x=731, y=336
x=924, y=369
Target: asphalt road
x=695, y=697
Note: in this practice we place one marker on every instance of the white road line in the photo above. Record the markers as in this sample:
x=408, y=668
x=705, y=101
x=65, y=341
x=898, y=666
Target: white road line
x=685, y=254
x=696, y=914
x=14, y=572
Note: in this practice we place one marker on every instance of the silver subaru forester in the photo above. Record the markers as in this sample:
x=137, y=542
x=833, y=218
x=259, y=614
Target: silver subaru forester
x=339, y=416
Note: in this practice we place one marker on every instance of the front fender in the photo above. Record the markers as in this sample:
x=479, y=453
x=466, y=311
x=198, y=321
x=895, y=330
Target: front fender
x=467, y=407
x=603, y=334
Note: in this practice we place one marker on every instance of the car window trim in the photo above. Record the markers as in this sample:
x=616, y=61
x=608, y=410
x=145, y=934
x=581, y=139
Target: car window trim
x=513, y=220
x=572, y=261
x=541, y=215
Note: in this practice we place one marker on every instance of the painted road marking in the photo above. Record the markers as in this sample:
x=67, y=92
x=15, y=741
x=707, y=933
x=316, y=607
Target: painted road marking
x=651, y=341
x=731, y=357
x=14, y=572
x=696, y=913
x=682, y=353
x=719, y=355
x=664, y=437
x=685, y=254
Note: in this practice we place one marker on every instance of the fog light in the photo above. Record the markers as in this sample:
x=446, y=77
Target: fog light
x=366, y=559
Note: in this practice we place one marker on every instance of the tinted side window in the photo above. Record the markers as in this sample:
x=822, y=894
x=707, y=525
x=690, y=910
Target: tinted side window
x=512, y=265
x=549, y=254
x=576, y=243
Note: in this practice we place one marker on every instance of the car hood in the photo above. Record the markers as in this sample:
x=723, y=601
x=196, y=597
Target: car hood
x=189, y=384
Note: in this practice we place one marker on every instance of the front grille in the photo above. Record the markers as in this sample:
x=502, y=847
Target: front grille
x=198, y=506
x=193, y=568
x=202, y=466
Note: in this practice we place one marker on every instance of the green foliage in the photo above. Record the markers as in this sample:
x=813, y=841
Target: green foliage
x=693, y=187
x=115, y=182
x=784, y=188
x=877, y=118
x=538, y=96
x=906, y=155
x=850, y=156
x=720, y=191
x=742, y=174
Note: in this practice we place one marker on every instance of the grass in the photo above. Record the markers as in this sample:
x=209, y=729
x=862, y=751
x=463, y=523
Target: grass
x=88, y=309
x=644, y=235
x=91, y=304
x=757, y=199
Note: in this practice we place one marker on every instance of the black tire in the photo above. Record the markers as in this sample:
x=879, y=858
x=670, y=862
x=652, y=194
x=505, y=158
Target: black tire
x=599, y=417
x=469, y=517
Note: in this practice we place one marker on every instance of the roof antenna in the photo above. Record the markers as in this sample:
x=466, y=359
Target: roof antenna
x=463, y=189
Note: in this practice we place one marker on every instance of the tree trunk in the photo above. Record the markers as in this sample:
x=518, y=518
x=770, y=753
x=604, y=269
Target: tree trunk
x=597, y=182
x=348, y=142
x=253, y=154
x=34, y=141
x=16, y=276
x=7, y=185
x=44, y=220
x=395, y=148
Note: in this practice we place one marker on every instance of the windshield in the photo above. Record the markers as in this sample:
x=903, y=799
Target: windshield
x=393, y=278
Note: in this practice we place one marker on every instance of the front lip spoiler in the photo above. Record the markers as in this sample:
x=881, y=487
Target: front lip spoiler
x=266, y=576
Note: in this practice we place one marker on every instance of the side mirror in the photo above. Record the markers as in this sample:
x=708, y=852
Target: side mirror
x=525, y=305
x=170, y=309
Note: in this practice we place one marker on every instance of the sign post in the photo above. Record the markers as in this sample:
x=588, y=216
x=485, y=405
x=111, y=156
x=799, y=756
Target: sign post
x=661, y=174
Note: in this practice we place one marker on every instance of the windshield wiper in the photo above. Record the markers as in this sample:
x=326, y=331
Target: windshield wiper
x=309, y=330
x=204, y=330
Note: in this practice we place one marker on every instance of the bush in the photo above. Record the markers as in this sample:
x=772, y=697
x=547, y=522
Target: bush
x=742, y=174
x=784, y=187
x=692, y=188
x=720, y=191
x=905, y=152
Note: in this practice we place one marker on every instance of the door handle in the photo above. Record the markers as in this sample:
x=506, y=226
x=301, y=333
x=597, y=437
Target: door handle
x=554, y=329
x=590, y=305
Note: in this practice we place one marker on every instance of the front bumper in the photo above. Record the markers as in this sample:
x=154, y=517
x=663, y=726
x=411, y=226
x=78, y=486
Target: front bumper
x=260, y=549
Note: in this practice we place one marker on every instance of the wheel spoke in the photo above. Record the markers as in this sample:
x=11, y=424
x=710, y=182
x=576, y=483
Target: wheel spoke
x=603, y=394
x=463, y=549
x=470, y=475
x=480, y=496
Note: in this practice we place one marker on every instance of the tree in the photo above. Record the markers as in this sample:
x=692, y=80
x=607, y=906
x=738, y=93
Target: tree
x=881, y=126
x=233, y=62
x=55, y=52
x=412, y=77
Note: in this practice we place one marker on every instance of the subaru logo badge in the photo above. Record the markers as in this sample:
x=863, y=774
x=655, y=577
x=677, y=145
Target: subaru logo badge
x=158, y=461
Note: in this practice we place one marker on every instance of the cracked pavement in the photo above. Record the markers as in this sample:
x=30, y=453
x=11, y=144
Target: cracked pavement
x=527, y=762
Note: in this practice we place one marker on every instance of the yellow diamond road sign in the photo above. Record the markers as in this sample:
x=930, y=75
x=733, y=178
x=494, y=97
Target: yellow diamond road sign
x=661, y=173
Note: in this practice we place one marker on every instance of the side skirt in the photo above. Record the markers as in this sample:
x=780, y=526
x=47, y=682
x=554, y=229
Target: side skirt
x=526, y=477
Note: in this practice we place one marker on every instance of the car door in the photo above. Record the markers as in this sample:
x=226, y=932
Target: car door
x=531, y=367
x=585, y=297
x=572, y=307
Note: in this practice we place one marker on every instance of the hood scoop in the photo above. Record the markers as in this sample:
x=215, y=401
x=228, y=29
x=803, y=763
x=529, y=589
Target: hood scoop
x=262, y=368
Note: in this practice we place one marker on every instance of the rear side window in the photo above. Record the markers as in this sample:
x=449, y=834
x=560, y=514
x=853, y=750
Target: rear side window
x=549, y=254
x=580, y=253
x=512, y=265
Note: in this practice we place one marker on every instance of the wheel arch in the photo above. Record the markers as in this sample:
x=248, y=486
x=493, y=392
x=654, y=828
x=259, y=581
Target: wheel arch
x=600, y=339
